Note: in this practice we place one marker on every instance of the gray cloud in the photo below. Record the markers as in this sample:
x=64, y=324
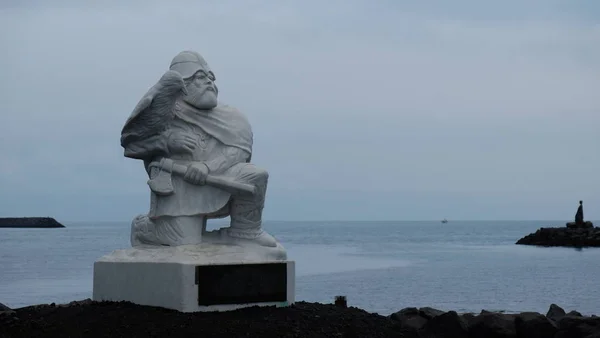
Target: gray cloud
x=424, y=106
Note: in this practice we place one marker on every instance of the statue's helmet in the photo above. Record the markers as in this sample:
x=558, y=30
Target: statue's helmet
x=187, y=63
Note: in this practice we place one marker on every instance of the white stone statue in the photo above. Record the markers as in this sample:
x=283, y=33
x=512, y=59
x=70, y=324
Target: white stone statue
x=197, y=154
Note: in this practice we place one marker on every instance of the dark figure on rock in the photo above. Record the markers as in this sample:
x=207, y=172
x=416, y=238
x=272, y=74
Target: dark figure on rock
x=579, y=222
x=579, y=214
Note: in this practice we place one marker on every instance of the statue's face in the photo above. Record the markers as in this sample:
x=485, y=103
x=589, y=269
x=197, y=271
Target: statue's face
x=201, y=90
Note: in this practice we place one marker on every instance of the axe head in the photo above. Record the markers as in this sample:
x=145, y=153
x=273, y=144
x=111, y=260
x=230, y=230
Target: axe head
x=160, y=178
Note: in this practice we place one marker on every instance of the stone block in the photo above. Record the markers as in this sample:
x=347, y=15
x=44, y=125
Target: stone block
x=190, y=279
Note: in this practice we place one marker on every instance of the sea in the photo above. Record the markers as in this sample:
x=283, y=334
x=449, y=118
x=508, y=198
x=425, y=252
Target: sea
x=382, y=267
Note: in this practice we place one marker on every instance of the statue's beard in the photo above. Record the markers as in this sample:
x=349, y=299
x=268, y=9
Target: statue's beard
x=201, y=98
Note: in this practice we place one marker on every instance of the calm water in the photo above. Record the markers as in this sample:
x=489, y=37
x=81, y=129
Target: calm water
x=379, y=266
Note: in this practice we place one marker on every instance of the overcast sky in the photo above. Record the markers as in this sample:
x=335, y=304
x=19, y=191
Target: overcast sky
x=384, y=109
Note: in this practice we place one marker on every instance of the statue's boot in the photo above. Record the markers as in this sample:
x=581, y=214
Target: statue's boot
x=143, y=231
x=168, y=231
x=257, y=236
x=246, y=222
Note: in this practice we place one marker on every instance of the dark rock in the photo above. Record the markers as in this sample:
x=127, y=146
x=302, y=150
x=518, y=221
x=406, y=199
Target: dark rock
x=341, y=301
x=574, y=314
x=409, y=311
x=468, y=318
x=29, y=222
x=413, y=323
x=447, y=325
x=534, y=325
x=8, y=321
x=87, y=301
x=583, y=225
x=8, y=313
x=409, y=319
x=486, y=311
x=428, y=312
x=91, y=319
x=7, y=316
x=493, y=325
x=555, y=312
x=123, y=319
x=565, y=237
x=574, y=327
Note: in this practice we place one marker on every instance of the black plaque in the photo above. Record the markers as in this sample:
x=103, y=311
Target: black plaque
x=241, y=283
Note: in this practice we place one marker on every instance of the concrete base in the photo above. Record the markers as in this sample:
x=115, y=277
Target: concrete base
x=194, y=278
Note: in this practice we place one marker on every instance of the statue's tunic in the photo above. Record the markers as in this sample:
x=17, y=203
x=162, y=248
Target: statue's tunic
x=223, y=141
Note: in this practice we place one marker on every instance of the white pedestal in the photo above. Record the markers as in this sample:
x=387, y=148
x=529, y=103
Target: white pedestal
x=195, y=278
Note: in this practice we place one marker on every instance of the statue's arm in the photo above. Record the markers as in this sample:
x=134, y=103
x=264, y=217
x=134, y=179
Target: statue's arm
x=230, y=156
x=148, y=148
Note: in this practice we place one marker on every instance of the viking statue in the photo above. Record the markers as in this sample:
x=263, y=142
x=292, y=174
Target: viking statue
x=197, y=154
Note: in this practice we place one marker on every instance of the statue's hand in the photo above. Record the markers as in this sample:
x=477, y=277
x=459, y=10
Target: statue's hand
x=181, y=143
x=196, y=173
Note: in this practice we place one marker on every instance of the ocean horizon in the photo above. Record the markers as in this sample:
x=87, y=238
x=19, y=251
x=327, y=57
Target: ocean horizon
x=381, y=266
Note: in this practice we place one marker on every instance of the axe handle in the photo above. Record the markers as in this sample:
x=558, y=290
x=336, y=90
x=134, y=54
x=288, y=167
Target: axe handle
x=218, y=182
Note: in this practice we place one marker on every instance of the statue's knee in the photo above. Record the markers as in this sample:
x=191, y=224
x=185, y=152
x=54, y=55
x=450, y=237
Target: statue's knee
x=253, y=175
x=262, y=174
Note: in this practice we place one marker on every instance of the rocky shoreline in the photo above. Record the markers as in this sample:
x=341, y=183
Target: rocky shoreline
x=29, y=222
x=563, y=236
x=121, y=319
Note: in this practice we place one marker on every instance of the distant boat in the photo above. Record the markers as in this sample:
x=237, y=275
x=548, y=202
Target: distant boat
x=444, y=221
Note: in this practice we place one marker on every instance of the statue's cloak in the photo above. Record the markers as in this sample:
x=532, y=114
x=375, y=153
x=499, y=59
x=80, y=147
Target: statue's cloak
x=223, y=122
